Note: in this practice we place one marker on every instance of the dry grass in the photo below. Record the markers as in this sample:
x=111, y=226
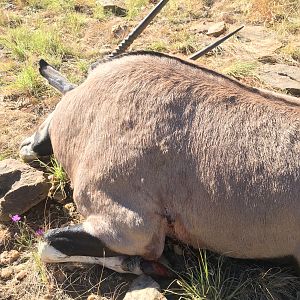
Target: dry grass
x=214, y=277
x=61, y=282
x=272, y=11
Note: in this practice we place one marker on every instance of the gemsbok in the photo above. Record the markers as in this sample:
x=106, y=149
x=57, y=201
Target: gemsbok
x=158, y=146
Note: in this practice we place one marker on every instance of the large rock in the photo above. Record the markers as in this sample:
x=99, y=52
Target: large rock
x=216, y=29
x=258, y=41
x=21, y=187
x=117, y=7
x=281, y=76
x=144, y=287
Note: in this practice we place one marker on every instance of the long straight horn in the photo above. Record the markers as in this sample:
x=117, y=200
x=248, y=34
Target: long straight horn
x=138, y=29
x=61, y=83
x=214, y=44
x=55, y=78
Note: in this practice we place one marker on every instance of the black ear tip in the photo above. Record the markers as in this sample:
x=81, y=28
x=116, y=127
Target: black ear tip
x=43, y=63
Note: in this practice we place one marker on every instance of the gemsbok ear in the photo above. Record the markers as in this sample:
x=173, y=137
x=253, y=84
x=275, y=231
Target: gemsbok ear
x=55, y=78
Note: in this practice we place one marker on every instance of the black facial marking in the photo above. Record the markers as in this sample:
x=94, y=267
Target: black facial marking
x=42, y=144
x=74, y=241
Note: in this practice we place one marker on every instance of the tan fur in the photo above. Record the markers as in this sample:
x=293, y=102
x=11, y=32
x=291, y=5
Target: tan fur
x=155, y=146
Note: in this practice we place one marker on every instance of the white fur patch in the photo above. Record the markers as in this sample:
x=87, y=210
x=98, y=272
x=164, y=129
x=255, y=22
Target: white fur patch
x=51, y=255
x=26, y=152
x=88, y=227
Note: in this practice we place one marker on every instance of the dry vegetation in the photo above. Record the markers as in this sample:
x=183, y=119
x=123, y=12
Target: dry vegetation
x=72, y=34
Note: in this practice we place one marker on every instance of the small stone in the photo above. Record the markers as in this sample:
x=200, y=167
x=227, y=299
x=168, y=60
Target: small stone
x=104, y=51
x=114, y=6
x=229, y=17
x=199, y=28
x=217, y=29
x=8, y=257
x=69, y=207
x=6, y=273
x=4, y=237
x=20, y=267
x=47, y=297
x=94, y=297
x=70, y=267
x=268, y=59
x=59, y=276
x=144, y=287
x=21, y=275
x=118, y=31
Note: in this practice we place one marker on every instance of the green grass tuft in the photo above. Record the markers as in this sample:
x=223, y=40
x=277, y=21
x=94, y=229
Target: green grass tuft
x=30, y=82
x=241, y=69
x=134, y=7
x=99, y=13
x=292, y=50
x=54, y=5
x=58, y=177
x=158, y=46
x=75, y=22
x=22, y=42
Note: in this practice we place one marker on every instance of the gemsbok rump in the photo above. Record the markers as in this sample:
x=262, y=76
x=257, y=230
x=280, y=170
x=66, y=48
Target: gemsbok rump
x=156, y=146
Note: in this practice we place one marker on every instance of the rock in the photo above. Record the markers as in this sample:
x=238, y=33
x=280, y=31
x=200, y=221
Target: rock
x=70, y=208
x=47, y=297
x=20, y=267
x=217, y=29
x=229, y=17
x=94, y=297
x=6, y=273
x=144, y=287
x=268, y=59
x=199, y=27
x=118, y=31
x=258, y=41
x=5, y=236
x=72, y=267
x=281, y=76
x=21, y=187
x=59, y=276
x=104, y=52
x=8, y=257
x=21, y=275
x=114, y=6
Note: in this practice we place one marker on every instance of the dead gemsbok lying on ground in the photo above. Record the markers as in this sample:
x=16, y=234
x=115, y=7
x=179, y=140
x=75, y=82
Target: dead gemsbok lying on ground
x=156, y=146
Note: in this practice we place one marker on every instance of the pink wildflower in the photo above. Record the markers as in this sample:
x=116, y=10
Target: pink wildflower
x=39, y=232
x=15, y=218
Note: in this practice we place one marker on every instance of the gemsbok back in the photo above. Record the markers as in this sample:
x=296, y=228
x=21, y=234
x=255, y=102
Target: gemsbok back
x=157, y=146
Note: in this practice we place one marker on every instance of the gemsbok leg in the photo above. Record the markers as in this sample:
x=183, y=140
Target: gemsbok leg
x=74, y=244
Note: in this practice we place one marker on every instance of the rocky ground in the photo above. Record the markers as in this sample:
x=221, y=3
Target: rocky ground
x=266, y=53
